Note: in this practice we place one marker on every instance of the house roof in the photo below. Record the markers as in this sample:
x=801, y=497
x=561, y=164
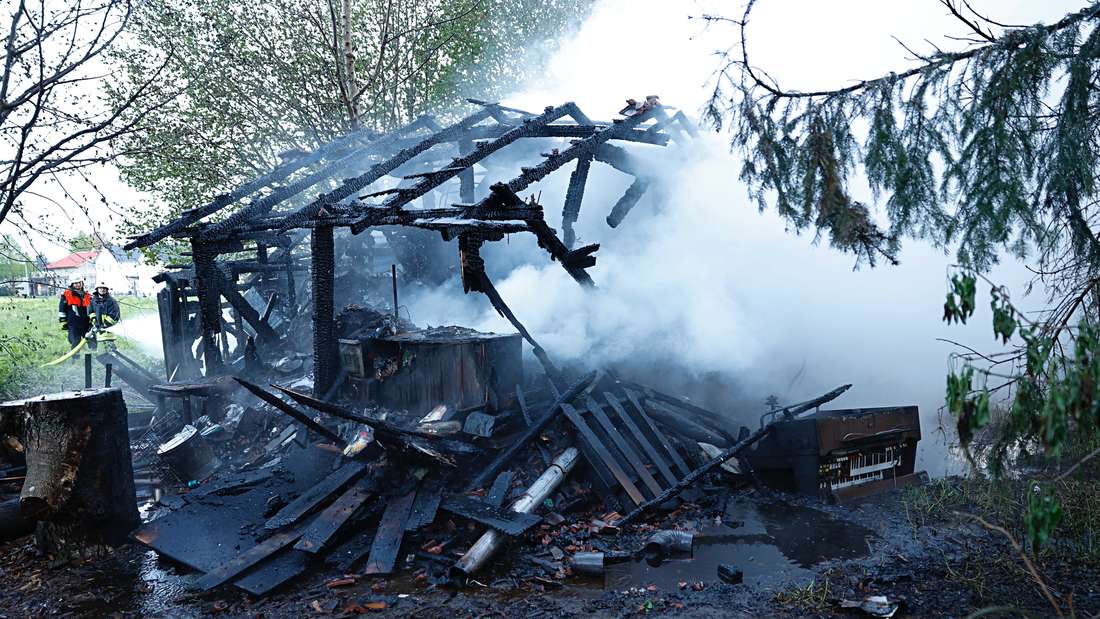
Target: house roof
x=73, y=260
x=122, y=255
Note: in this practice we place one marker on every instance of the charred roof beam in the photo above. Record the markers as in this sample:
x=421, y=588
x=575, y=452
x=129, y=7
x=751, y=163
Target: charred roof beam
x=377, y=171
x=260, y=206
x=574, y=261
x=221, y=201
x=427, y=183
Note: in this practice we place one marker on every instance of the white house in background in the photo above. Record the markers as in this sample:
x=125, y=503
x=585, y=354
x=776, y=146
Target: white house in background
x=122, y=271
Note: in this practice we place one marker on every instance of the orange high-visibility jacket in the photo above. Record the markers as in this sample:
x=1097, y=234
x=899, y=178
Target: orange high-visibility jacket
x=73, y=307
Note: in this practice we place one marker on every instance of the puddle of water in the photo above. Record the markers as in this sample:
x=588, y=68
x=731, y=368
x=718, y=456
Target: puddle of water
x=162, y=586
x=775, y=544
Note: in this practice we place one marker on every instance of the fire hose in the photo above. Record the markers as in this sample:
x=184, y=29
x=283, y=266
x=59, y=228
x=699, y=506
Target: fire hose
x=91, y=336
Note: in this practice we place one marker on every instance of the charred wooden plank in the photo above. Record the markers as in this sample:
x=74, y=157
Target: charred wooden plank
x=714, y=421
x=351, y=551
x=247, y=559
x=321, y=530
x=499, y=491
x=482, y=151
x=290, y=410
x=426, y=505
x=694, y=475
x=273, y=572
x=378, y=170
x=640, y=437
x=573, y=197
x=683, y=424
x=234, y=483
x=602, y=452
x=316, y=495
x=207, y=287
x=505, y=521
x=627, y=202
x=602, y=481
x=260, y=206
x=482, y=133
x=228, y=289
x=544, y=453
x=505, y=456
x=326, y=355
x=661, y=438
x=138, y=381
x=622, y=444
x=190, y=217
x=385, y=429
x=391, y=530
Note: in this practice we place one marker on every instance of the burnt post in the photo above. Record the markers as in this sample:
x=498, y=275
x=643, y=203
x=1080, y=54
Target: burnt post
x=80, y=480
x=466, y=177
x=291, y=286
x=573, y=197
x=325, y=354
x=261, y=257
x=207, y=278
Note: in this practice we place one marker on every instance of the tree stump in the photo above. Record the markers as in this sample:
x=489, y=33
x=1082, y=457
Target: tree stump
x=80, y=478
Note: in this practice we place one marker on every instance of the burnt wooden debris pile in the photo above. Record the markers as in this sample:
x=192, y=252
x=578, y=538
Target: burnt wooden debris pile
x=303, y=424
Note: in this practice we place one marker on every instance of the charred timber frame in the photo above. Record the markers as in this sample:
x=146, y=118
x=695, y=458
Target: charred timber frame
x=207, y=280
x=281, y=172
x=573, y=197
x=405, y=151
x=325, y=352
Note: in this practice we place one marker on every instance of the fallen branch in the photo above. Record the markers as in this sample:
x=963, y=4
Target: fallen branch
x=1023, y=556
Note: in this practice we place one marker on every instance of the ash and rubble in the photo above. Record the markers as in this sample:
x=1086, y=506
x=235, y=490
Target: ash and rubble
x=302, y=427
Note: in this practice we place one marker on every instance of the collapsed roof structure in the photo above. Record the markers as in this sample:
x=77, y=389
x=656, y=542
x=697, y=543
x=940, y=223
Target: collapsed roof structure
x=426, y=160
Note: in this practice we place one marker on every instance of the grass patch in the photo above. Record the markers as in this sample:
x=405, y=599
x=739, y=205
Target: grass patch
x=30, y=336
x=815, y=594
x=1003, y=502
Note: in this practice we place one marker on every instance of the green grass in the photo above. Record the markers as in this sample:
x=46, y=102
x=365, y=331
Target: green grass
x=30, y=336
x=1003, y=502
x=816, y=595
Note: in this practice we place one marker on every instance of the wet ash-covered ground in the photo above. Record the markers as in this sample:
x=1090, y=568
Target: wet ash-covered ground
x=798, y=557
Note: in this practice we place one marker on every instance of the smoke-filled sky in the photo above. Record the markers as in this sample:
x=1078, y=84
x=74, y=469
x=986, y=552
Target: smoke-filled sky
x=698, y=289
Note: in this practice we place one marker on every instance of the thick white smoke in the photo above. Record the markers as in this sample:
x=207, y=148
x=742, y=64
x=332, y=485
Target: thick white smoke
x=144, y=330
x=696, y=286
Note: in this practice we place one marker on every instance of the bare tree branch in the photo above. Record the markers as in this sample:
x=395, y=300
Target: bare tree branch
x=54, y=54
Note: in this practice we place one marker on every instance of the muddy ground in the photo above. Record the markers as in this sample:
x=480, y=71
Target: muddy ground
x=799, y=558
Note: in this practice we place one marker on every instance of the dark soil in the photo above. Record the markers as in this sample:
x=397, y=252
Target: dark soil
x=799, y=559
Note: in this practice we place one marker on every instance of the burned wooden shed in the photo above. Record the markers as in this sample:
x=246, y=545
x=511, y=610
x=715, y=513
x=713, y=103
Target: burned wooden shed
x=270, y=253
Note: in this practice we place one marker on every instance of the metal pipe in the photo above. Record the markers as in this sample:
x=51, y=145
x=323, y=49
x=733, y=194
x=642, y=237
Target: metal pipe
x=480, y=552
x=669, y=543
x=589, y=563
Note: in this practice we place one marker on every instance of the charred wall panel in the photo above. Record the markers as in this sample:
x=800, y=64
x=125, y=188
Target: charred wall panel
x=466, y=371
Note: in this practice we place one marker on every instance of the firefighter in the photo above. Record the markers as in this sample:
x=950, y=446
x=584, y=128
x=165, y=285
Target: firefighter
x=74, y=312
x=104, y=307
x=105, y=313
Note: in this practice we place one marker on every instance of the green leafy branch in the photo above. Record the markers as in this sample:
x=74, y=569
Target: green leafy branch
x=1054, y=390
